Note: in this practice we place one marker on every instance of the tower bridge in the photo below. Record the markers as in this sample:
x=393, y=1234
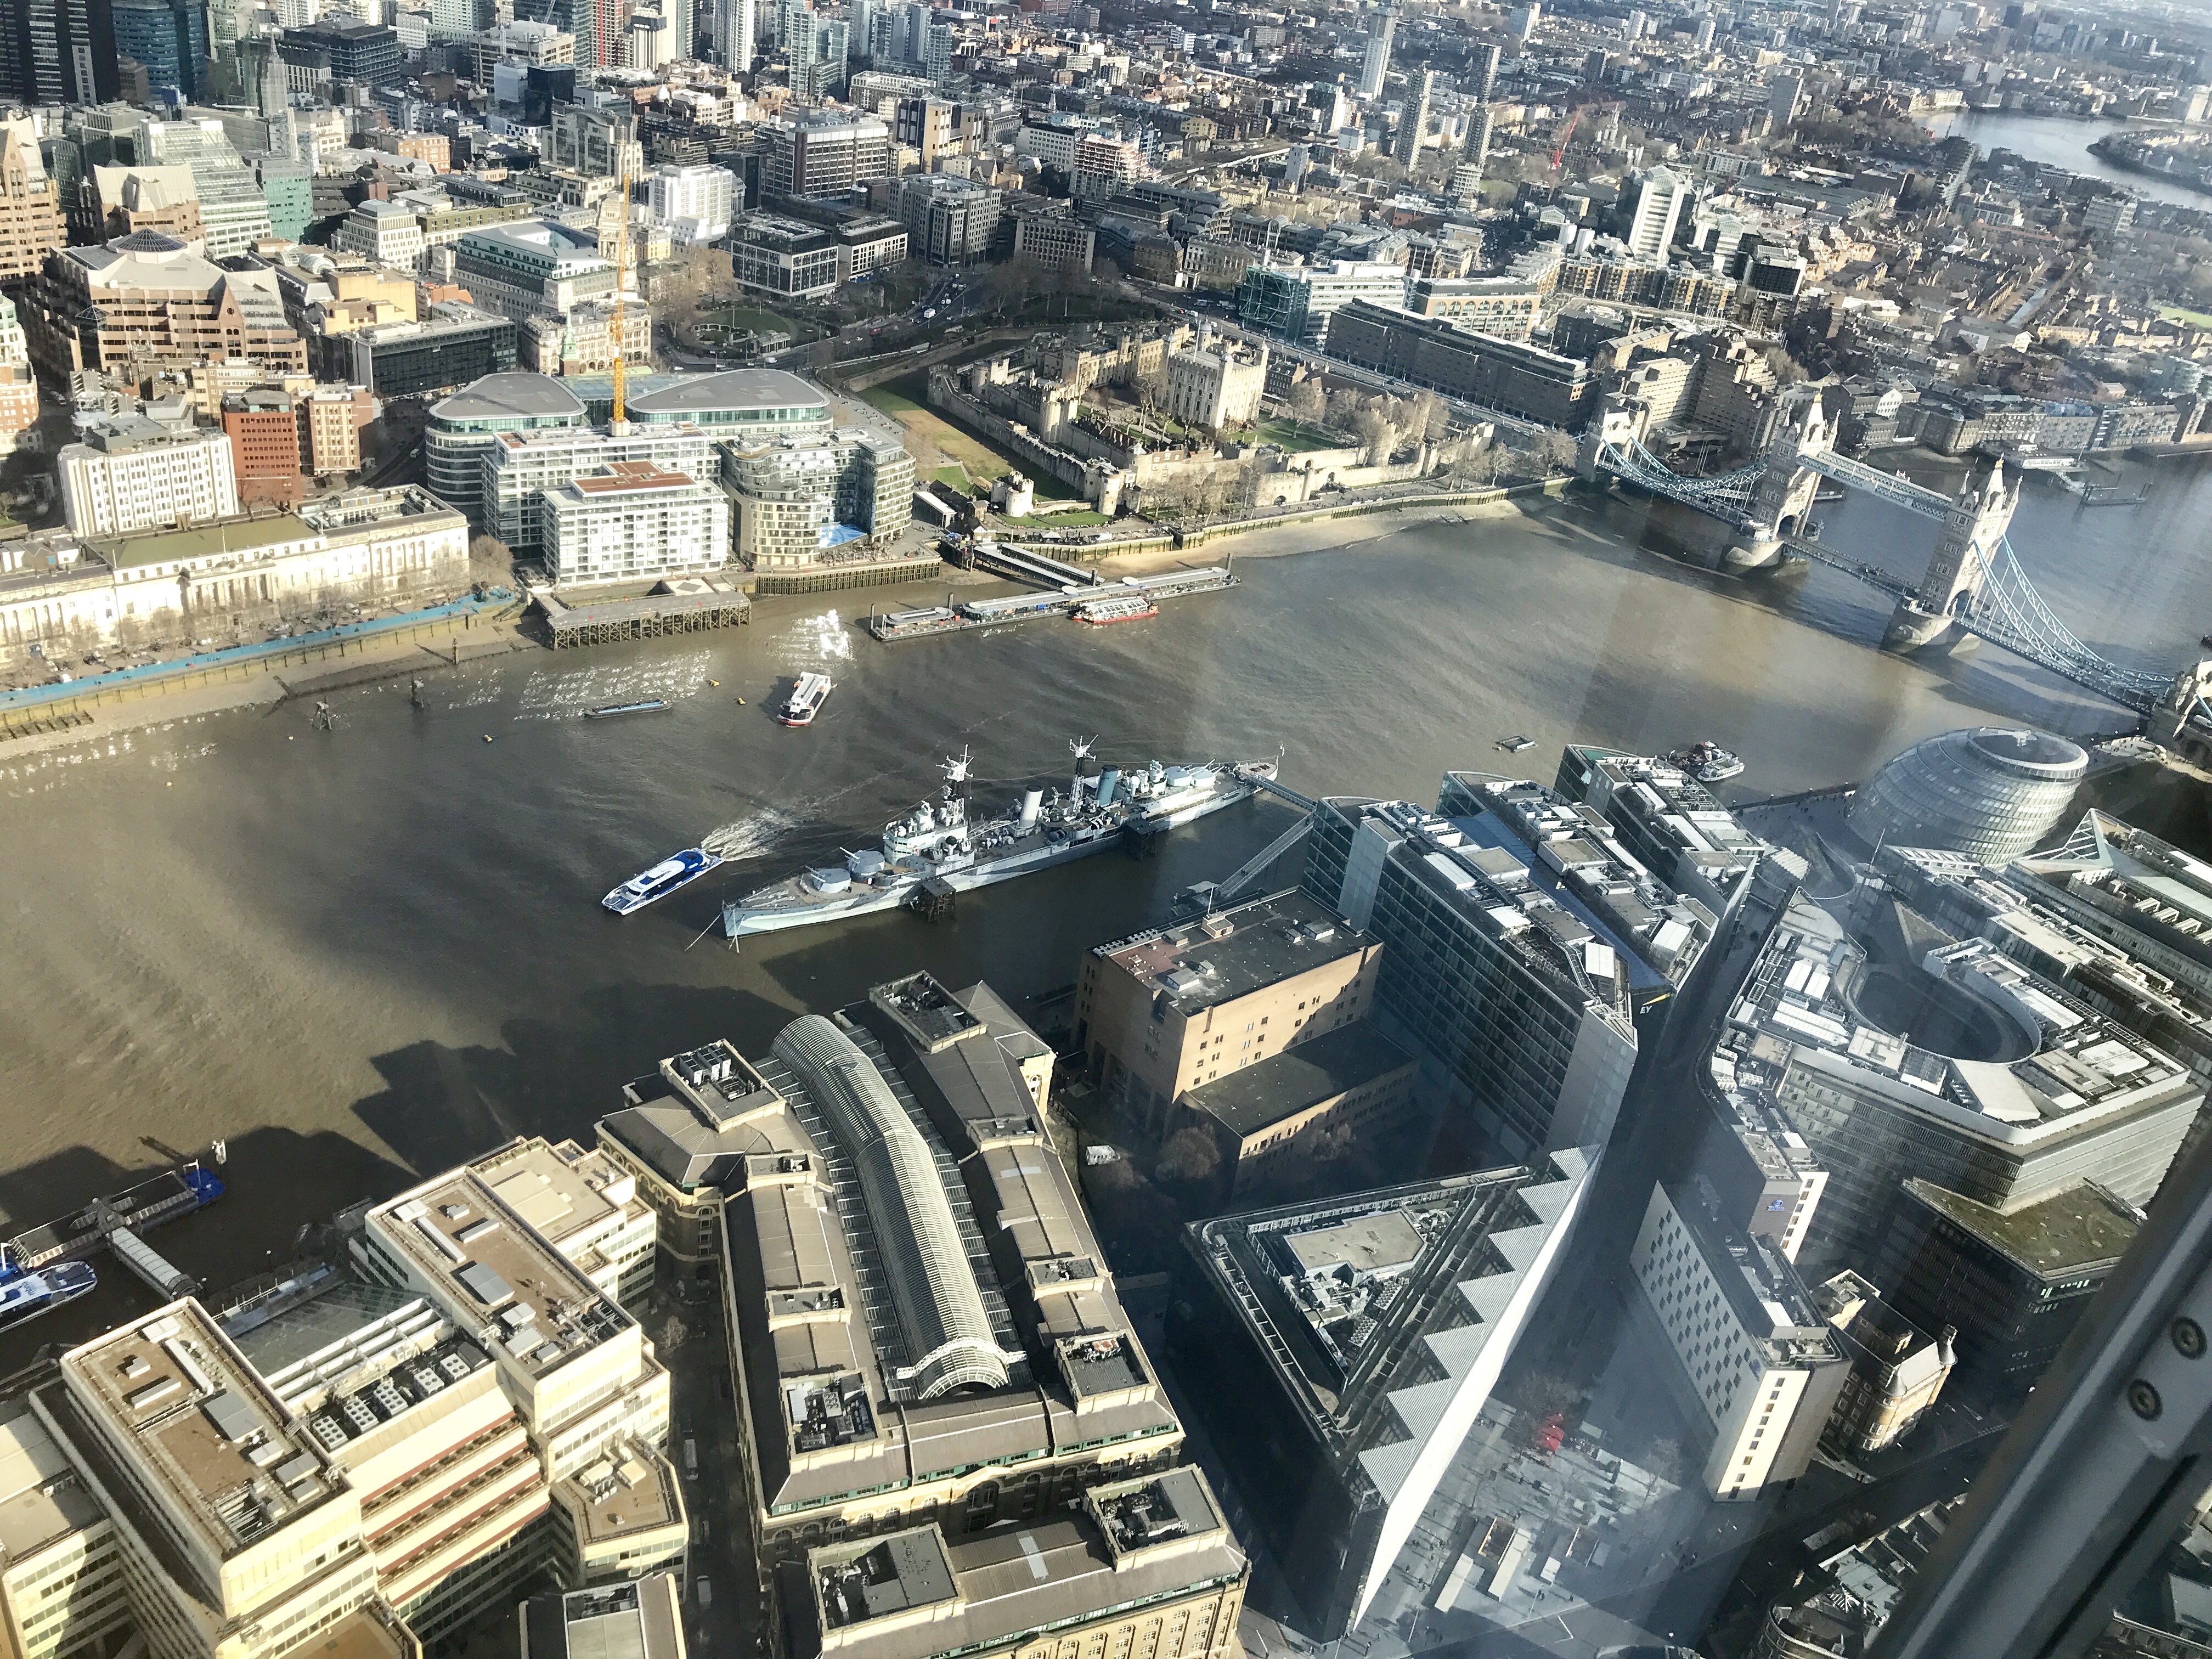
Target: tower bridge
x=1973, y=588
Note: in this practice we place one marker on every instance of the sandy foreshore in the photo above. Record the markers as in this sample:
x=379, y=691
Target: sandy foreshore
x=271, y=687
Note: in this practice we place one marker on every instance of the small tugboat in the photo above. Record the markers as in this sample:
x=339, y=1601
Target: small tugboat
x=1707, y=762
x=1515, y=744
x=609, y=711
x=676, y=869
x=806, y=701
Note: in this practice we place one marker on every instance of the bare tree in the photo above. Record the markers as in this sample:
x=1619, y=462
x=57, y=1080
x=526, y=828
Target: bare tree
x=1307, y=402
x=1189, y=1161
x=1377, y=433
x=1426, y=417
x=490, y=560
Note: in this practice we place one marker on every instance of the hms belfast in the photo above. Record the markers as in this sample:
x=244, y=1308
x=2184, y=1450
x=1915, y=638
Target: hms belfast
x=940, y=848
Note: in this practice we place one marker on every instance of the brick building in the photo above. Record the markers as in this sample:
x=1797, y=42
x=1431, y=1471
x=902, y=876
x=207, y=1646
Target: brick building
x=263, y=426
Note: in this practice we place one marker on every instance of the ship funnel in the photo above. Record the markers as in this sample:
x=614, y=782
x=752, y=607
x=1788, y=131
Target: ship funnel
x=1107, y=782
x=1032, y=800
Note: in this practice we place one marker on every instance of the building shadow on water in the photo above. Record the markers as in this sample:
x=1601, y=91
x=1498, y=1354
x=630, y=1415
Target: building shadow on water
x=554, y=1076
x=277, y=1180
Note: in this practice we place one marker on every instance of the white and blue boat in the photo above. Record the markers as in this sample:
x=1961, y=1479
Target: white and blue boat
x=25, y=1296
x=677, y=870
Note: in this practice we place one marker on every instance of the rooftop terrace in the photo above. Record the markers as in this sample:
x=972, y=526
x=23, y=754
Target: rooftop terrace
x=200, y=1425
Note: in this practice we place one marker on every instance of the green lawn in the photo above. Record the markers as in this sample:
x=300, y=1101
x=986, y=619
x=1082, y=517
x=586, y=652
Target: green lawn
x=2181, y=314
x=1074, y=518
x=1297, y=437
x=754, y=318
x=901, y=398
x=953, y=477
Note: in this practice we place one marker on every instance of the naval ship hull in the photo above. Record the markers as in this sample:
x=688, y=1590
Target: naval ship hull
x=737, y=921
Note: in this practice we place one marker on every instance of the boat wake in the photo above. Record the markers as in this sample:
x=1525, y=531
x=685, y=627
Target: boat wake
x=811, y=642
x=750, y=837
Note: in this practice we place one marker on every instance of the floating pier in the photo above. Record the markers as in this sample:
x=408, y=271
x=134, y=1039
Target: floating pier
x=689, y=605
x=115, y=1223
x=1062, y=601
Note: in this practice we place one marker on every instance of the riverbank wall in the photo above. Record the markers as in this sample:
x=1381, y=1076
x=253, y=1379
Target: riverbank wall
x=445, y=634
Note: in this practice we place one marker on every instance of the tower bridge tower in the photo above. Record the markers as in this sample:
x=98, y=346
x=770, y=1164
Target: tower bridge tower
x=1782, y=500
x=1929, y=617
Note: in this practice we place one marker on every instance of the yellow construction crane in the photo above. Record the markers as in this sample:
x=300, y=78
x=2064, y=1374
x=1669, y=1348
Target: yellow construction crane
x=622, y=256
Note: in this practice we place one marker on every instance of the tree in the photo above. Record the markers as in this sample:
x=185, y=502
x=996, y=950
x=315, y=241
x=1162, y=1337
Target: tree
x=1307, y=402
x=1786, y=369
x=1189, y=1161
x=1011, y=284
x=673, y=1334
x=490, y=560
x=1377, y=433
x=1426, y=418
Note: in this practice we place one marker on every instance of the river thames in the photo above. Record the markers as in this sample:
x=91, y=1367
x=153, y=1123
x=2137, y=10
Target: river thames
x=369, y=953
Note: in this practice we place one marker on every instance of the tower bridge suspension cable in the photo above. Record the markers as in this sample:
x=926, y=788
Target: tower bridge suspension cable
x=2005, y=608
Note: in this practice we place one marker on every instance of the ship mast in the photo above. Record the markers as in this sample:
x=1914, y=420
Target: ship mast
x=622, y=256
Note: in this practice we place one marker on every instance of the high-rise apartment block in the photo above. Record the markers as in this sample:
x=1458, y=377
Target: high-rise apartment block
x=635, y=521
x=802, y=503
x=522, y=467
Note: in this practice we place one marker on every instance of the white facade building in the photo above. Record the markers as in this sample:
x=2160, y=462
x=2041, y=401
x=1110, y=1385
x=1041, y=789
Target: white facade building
x=1215, y=385
x=695, y=203
x=389, y=232
x=1765, y=1368
x=635, y=523
x=1660, y=201
x=133, y=475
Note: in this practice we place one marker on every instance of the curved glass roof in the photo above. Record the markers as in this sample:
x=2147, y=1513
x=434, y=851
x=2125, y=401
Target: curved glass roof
x=940, y=1307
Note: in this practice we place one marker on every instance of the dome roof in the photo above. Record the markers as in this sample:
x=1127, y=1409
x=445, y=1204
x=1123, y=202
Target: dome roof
x=147, y=242
x=1988, y=791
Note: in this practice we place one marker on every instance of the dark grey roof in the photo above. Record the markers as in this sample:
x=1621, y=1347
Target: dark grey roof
x=1299, y=1077
x=147, y=242
x=498, y=396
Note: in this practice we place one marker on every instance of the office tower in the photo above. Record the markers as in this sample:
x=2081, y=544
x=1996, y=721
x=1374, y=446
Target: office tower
x=168, y=38
x=58, y=52
x=736, y=23
x=1376, y=63
x=937, y=53
x=1520, y=1009
x=1660, y=198
x=1337, y=1400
